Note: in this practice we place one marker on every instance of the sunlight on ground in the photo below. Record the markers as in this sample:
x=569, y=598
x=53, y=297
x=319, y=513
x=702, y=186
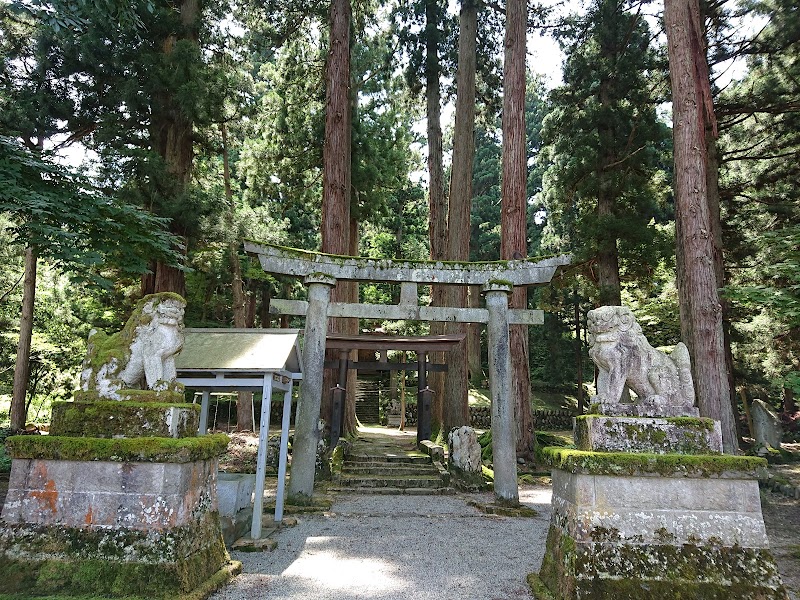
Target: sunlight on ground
x=342, y=572
x=410, y=432
x=535, y=497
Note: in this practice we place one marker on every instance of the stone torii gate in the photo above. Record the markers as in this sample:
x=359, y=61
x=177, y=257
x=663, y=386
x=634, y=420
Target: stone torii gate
x=321, y=272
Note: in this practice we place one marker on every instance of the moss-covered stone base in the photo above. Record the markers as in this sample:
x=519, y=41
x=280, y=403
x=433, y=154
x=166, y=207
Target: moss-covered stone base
x=651, y=465
x=52, y=559
x=201, y=592
x=111, y=419
x=679, y=435
x=163, y=396
x=143, y=449
x=598, y=571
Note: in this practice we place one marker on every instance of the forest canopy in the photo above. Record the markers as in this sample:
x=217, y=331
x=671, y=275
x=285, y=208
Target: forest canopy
x=203, y=123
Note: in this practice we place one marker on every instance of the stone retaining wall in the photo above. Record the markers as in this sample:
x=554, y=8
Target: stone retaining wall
x=481, y=418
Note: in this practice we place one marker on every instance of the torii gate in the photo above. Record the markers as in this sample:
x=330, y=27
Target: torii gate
x=321, y=272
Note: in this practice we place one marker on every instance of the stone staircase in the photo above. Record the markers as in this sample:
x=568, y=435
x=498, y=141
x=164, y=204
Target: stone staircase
x=389, y=463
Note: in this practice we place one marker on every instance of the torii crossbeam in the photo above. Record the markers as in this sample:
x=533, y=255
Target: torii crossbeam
x=321, y=271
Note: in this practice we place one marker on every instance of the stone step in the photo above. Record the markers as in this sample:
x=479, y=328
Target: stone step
x=355, y=458
x=392, y=491
x=389, y=469
x=377, y=481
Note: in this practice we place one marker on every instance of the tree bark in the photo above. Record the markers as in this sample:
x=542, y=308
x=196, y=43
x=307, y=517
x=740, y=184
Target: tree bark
x=336, y=166
x=437, y=200
x=22, y=366
x=455, y=409
x=172, y=133
x=244, y=400
x=608, y=281
x=700, y=304
x=714, y=210
x=474, y=341
x=513, y=221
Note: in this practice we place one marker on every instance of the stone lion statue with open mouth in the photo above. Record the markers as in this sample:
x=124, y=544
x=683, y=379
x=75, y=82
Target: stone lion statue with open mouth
x=624, y=357
x=142, y=355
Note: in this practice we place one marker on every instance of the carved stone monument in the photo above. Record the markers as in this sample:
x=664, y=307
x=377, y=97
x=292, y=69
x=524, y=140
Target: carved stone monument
x=767, y=428
x=120, y=498
x=464, y=461
x=142, y=355
x=648, y=507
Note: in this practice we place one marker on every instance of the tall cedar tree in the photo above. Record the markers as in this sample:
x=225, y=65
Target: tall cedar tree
x=423, y=31
x=455, y=410
x=337, y=225
x=701, y=312
x=603, y=138
x=514, y=226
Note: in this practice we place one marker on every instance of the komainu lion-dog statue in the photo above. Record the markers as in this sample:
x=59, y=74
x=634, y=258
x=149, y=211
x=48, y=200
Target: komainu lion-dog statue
x=624, y=357
x=142, y=355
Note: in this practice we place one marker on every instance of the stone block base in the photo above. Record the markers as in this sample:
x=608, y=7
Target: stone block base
x=104, y=494
x=627, y=537
x=675, y=435
x=645, y=408
x=111, y=528
x=110, y=419
x=52, y=559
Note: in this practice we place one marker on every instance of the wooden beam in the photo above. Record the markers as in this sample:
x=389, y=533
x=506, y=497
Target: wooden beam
x=384, y=366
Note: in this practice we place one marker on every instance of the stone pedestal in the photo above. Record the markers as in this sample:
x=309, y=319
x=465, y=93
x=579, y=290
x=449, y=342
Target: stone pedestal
x=132, y=516
x=632, y=525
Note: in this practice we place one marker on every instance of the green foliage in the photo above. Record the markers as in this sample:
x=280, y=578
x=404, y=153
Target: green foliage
x=603, y=142
x=68, y=222
x=761, y=152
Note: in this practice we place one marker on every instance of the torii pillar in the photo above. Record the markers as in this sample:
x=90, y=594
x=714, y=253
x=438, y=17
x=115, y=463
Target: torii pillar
x=306, y=430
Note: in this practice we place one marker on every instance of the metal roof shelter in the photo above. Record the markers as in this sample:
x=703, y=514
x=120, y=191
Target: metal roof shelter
x=254, y=360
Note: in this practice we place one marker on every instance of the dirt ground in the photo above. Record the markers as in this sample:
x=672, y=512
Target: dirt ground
x=782, y=518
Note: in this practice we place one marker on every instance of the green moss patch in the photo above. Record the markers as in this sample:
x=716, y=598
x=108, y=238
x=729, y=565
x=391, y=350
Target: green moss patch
x=140, y=396
x=655, y=435
x=539, y=590
x=69, y=561
x=614, y=571
x=492, y=508
x=666, y=465
x=143, y=449
x=123, y=419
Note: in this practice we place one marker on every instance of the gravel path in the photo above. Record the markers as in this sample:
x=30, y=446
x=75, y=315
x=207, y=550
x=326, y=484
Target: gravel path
x=391, y=547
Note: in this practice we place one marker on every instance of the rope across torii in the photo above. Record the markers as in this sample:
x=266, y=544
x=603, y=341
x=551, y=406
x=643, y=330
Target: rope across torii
x=321, y=272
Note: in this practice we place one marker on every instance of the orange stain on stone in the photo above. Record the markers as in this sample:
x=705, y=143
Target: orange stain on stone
x=48, y=496
x=89, y=517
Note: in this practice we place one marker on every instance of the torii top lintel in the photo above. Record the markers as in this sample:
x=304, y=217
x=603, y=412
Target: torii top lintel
x=301, y=263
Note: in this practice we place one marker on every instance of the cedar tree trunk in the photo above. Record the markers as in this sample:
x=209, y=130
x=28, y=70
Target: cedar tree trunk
x=513, y=222
x=22, y=366
x=455, y=410
x=697, y=282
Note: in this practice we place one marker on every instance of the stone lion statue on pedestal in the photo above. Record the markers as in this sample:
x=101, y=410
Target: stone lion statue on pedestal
x=142, y=355
x=624, y=357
